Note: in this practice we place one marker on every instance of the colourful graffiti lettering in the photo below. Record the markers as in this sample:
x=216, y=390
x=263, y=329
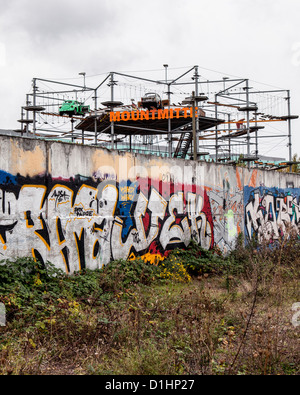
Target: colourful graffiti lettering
x=85, y=224
x=270, y=213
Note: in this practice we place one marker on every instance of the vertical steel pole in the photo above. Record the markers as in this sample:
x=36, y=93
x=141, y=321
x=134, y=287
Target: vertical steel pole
x=166, y=72
x=169, y=123
x=27, y=125
x=72, y=123
x=112, y=99
x=194, y=127
x=169, y=107
x=196, y=76
x=248, y=118
x=256, y=137
x=34, y=104
x=95, y=128
x=229, y=142
x=248, y=121
x=289, y=128
x=216, y=116
x=95, y=122
x=22, y=125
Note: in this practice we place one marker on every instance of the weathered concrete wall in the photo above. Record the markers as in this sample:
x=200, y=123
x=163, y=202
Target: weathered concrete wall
x=78, y=206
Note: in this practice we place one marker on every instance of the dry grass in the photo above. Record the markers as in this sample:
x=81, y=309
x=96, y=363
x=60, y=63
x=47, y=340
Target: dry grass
x=215, y=324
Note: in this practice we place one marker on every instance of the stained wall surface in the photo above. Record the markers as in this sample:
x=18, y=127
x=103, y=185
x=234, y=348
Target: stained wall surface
x=80, y=207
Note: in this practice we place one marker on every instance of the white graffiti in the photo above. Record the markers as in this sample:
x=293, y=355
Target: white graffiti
x=226, y=206
x=270, y=216
x=82, y=229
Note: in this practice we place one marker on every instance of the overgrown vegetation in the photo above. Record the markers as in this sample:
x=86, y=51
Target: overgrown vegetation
x=194, y=313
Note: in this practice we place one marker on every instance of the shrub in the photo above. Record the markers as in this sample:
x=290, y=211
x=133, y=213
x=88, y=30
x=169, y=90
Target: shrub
x=173, y=268
x=121, y=274
x=197, y=260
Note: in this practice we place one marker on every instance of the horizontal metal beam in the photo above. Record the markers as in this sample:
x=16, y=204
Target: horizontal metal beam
x=57, y=92
x=66, y=84
x=208, y=82
x=257, y=92
x=47, y=97
x=140, y=78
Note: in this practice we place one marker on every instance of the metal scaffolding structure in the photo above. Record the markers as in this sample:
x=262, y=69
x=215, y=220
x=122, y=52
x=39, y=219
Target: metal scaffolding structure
x=223, y=119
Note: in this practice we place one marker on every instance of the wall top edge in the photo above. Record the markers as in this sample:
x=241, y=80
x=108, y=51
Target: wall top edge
x=48, y=144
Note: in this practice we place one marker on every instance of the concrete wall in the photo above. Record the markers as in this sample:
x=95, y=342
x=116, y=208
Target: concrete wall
x=78, y=206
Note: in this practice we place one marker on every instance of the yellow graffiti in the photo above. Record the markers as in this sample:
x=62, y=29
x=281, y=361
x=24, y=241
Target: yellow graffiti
x=3, y=242
x=128, y=192
x=153, y=259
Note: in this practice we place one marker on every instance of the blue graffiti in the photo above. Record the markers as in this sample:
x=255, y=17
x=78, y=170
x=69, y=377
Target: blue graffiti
x=269, y=211
x=7, y=178
x=127, y=197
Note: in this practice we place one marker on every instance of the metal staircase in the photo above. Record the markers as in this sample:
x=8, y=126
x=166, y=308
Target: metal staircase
x=183, y=145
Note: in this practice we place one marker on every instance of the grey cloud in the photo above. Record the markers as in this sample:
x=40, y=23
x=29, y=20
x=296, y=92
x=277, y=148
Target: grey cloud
x=51, y=21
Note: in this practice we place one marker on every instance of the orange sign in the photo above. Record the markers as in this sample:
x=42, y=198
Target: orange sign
x=186, y=112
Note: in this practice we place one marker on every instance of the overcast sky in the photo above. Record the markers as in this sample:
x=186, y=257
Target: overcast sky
x=255, y=39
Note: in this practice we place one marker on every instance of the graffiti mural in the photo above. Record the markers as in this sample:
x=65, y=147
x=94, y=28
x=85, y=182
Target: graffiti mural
x=82, y=223
x=225, y=195
x=128, y=206
x=226, y=206
x=270, y=212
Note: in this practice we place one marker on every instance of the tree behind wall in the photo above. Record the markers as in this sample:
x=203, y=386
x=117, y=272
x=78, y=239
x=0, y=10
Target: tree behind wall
x=296, y=166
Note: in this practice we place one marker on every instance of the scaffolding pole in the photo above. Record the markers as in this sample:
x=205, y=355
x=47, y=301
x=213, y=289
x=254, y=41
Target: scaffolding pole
x=111, y=84
x=196, y=78
x=289, y=127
